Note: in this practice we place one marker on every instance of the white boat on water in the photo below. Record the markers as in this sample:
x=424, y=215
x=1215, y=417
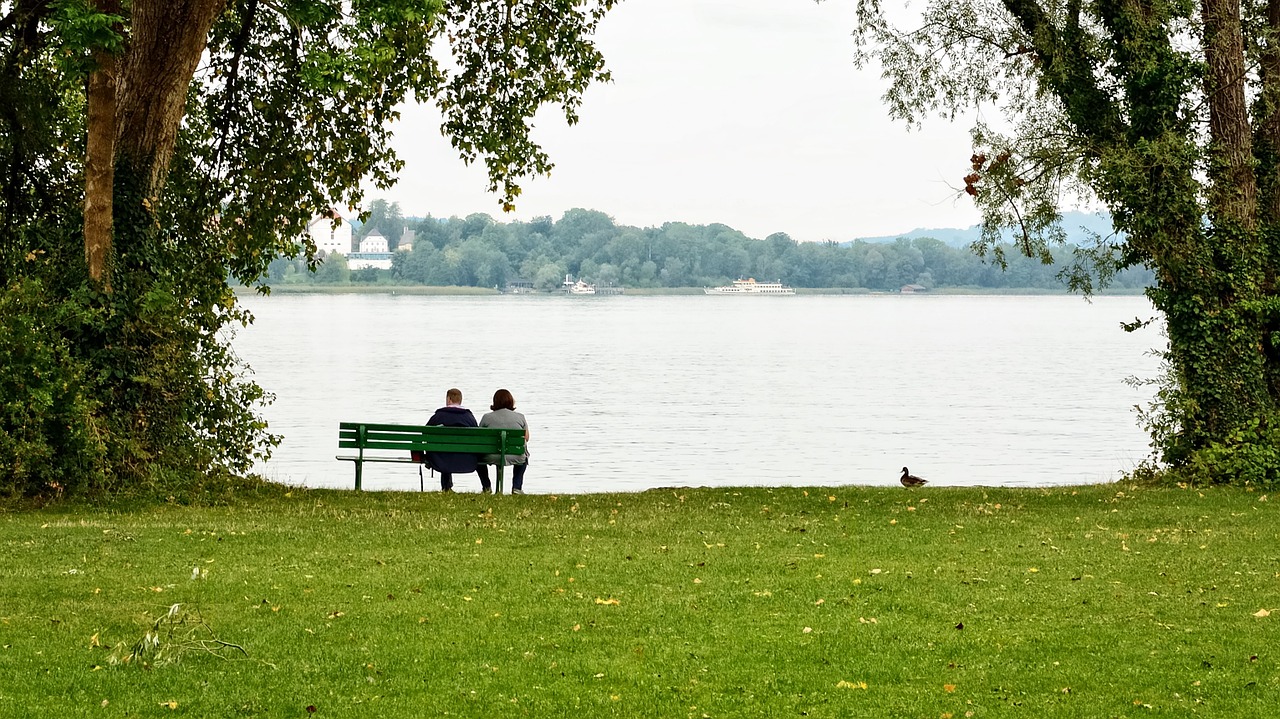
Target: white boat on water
x=578, y=288
x=750, y=287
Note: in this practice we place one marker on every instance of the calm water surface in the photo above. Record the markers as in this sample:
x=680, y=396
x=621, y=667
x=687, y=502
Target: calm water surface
x=630, y=393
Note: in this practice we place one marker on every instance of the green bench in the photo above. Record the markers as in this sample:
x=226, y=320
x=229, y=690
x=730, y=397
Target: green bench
x=405, y=439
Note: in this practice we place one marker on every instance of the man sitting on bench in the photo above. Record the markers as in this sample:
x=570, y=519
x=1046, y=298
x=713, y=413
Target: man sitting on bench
x=453, y=414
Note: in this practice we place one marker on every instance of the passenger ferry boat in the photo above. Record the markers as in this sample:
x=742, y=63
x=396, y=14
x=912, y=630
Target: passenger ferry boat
x=578, y=288
x=750, y=287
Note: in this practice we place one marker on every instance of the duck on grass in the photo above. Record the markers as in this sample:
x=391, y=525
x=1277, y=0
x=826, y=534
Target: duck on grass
x=910, y=480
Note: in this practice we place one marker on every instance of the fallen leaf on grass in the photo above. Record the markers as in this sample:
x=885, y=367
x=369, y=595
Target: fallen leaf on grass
x=948, y=688
x=1262, y=613
x=610, y=601
x=842, y=684
x=807, y=630
x=171, y=704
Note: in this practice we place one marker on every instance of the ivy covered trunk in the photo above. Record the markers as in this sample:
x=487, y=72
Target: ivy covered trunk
x=1211, y=262
x=1206, y=252
x=141, y=342
x=1113, y=102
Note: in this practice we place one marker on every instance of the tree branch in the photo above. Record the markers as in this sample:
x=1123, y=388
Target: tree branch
x=1068, y=71
x=24, y=12
x=238, y=45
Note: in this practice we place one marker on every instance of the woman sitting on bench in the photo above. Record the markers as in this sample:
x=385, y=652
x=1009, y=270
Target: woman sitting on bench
x=505, y=416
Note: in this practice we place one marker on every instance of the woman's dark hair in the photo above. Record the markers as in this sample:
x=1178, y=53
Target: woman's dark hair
x=502, y=399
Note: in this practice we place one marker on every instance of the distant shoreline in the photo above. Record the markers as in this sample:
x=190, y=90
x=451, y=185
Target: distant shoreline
x=662, y=291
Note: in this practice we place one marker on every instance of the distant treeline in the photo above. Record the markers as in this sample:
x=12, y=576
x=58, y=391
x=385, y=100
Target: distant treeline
x=478, y=251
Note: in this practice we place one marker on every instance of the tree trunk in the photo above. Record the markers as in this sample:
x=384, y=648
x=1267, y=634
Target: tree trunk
x=166, y=41
x=1233, y=194
x=1267, y=151
x=1267, y=147
x=99, y=162
x=1213, y=291
x=135, y=108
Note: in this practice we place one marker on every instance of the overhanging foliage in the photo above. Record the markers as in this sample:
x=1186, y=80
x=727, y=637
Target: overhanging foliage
x=152, y=149
x=1165, y=112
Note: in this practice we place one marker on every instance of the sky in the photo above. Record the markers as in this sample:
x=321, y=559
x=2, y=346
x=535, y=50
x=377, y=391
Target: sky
x=748, y=113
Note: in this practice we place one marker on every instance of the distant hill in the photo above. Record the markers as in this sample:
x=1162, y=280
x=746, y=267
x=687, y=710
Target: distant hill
x=1078, y=225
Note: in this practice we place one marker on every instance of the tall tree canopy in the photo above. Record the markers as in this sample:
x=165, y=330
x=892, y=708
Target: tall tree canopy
x=386, y=218
x=1166, y=112
x=151, y=149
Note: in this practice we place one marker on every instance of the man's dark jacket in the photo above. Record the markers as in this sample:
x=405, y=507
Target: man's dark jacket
x=453, y=462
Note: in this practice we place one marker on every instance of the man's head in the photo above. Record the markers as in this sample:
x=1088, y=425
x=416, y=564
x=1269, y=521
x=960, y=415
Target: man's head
x=453, y=397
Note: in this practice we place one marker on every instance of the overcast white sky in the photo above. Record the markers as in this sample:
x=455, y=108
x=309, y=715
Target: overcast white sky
x=744, y=112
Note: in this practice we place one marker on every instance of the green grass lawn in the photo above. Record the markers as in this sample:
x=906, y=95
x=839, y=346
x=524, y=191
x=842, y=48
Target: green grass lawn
x=1101, y=601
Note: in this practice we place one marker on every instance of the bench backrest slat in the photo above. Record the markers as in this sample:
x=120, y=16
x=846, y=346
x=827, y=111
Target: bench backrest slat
x=404, y=437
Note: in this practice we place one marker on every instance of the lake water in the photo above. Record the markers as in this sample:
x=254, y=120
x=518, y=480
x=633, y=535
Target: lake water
x=629, y=393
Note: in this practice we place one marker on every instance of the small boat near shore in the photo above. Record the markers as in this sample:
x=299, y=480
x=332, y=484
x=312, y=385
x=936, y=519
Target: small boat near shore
x=749, y=286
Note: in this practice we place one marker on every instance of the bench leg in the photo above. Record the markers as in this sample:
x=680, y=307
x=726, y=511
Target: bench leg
x=498, y=486
x=359, y=473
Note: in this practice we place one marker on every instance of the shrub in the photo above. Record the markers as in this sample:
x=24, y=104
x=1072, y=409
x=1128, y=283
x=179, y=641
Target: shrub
x=50, y=442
